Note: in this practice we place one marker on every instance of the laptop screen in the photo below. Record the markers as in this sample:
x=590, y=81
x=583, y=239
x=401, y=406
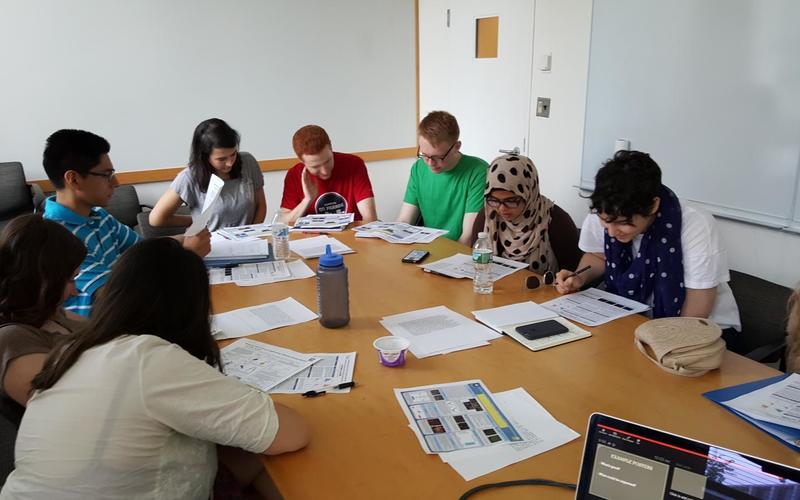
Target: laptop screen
x=627, y=461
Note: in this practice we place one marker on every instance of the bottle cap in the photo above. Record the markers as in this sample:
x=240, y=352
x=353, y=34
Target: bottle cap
x=483, y=234
x=330, y=259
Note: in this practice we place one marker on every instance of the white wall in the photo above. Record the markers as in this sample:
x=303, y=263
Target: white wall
x=563, y=28
x=388, y=178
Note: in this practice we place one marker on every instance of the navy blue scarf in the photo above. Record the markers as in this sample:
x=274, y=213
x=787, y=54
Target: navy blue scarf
x=657, y=268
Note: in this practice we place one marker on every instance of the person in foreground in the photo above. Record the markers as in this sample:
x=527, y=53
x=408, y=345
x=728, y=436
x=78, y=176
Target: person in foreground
x=325, y=182
x=652, y=248
x=134, y=404
x=78, y=165
x=517, y=214
x=445, y=186
x=215, y=151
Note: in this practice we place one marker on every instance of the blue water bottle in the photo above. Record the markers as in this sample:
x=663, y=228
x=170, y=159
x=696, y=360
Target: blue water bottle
x=332, y=291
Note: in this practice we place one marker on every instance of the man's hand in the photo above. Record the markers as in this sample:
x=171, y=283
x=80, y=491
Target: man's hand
x=199, y=243
x=310, y=188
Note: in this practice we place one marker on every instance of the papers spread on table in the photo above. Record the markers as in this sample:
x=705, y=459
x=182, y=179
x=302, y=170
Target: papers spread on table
x=398, y=232
x=255, y=319
x=777, y=403
x=331, y=369
x=262, y=366
x=247, y=232
x=540, y=431
x=260, y=273
x=225, y=251
x=215, y=185
x=311, y=248
x=594, y=307
x=438, y=330
x=456, y=416
x=323, y=223
x=506, y=319
x=461, y=266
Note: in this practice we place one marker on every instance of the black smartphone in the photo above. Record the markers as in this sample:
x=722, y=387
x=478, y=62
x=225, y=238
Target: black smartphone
x=416, y=256
x=541, y=329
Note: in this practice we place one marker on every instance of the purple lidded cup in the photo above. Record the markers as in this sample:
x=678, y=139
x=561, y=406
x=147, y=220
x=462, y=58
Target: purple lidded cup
x=391, y=350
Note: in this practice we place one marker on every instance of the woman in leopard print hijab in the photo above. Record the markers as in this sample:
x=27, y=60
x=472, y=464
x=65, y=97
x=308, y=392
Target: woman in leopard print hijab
x=517, y=216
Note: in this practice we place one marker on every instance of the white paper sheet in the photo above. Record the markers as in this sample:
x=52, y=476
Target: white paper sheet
x=438, y=330
x=256, y=319
x=247, y=232
x=311, y=248
x=331, y=369
x=261, y=365
x=456, y=416
x=215, y=185
x=398, y=232
x=523, y=312
x=594, y=307
x=541, y=431
x=461, y=266
x=778, y=403
x=260, y=273
x=222, y=248
x=322, y=223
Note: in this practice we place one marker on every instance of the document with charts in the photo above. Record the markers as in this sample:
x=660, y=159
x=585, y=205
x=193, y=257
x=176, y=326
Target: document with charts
x=260, y=273
x=461, y=266
x=456, y=416
x=331, y=369
x=261, y=365
x=594, y=307
x=398, y=232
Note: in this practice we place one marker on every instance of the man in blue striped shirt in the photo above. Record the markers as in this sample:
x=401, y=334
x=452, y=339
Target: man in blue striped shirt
x=78, y=165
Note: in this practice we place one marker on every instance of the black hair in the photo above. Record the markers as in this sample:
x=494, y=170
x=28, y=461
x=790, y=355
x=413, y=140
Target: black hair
x=210, y=134
x=626, y=185
x=156, y=288
x=37, y=260
x=69, y=149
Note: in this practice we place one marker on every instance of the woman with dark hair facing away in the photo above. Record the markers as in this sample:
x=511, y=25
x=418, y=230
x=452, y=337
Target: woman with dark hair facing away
x=215, y=151
x=517, y=214
x=38, y=262
x=653, y=248
x=132, y=405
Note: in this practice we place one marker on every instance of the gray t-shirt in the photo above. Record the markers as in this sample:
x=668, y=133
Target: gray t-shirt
x=236, y=204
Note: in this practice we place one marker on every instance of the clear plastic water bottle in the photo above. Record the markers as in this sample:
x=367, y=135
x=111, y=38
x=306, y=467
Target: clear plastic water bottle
x=482, y=259
x=332, y=291
x=280, y=240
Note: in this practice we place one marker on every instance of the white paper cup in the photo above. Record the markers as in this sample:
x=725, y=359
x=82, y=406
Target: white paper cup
x=391, y=350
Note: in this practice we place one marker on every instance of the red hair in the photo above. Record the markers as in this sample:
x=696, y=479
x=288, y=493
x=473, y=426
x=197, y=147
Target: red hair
x=310, y=140
x=439, y=127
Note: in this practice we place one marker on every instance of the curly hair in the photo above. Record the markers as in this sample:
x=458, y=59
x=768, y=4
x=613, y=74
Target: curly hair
x=626, y=185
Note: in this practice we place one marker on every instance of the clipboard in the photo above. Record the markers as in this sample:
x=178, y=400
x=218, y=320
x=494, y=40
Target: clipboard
x=788, y=436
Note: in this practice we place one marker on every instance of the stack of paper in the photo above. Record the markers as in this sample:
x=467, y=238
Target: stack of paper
x=506, y=319
x=461, y=266
x=398, y=232
x=260, y=273
x=438, y=330
x=323, y=223
x=256, y=319
x=247, y=232
x=225, y=252
x=594, y=307
x=478, y=432
x=311, y=248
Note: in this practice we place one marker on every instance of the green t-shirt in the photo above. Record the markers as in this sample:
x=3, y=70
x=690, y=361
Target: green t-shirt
x=444, y=198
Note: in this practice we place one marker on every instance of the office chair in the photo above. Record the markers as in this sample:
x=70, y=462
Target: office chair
x=16, y=197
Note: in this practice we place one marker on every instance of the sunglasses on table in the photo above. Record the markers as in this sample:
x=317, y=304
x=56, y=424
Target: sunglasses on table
x=513, y=202
x=533, y=282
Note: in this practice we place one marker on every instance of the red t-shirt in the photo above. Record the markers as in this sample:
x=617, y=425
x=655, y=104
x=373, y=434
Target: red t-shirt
x=348, y=184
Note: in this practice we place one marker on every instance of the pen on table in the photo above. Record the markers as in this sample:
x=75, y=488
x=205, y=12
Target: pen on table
x=579, y=271
x=323, y=390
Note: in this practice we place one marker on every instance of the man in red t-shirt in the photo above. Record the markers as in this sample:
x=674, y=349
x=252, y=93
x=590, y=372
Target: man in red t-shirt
x=325, y=182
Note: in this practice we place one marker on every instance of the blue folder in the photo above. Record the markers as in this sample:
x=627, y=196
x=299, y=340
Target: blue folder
x=789, y=436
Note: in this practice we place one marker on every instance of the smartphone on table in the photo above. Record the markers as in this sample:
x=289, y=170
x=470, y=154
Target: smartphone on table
x=416, y=256
x=541, y=329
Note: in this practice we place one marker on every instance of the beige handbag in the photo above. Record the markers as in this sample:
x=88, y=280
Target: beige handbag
x=683, y=346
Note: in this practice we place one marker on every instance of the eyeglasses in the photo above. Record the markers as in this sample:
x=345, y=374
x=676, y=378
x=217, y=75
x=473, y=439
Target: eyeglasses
x=532, y=282
x=423, y=156
x=513, y=202
x=108, y=175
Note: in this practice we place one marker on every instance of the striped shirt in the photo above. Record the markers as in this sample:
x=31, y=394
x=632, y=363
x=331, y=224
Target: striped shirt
x=105, y=239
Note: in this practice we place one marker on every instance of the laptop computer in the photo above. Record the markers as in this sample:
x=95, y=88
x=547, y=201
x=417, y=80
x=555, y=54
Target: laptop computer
x=626, y=461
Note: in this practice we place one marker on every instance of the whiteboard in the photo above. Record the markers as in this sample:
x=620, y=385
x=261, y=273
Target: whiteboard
x=144, y=73
x=711, y=89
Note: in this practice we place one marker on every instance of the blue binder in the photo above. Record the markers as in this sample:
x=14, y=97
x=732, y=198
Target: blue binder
x=787, y=435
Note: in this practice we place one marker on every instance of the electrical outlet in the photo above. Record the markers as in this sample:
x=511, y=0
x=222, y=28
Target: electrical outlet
x=543, y=107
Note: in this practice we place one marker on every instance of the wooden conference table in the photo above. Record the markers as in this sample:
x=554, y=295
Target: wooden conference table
x=361, y=446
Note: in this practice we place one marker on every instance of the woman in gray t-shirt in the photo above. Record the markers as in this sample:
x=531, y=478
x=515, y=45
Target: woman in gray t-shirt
x=215, y=150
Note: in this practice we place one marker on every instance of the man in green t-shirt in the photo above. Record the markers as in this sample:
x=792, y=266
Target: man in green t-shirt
x=445, y=186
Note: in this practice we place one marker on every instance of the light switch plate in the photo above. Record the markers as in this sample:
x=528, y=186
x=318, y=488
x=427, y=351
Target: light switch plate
x=543, y=107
